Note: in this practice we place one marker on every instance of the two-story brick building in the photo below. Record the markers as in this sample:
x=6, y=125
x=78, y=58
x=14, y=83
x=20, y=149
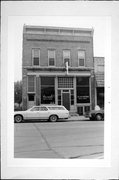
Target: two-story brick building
x=46, y=77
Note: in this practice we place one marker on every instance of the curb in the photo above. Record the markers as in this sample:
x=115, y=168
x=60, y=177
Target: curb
x=77, y=118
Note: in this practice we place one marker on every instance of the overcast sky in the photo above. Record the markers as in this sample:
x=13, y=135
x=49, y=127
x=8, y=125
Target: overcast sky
x=98, y=23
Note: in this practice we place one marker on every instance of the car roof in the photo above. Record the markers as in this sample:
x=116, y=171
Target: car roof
x=47, y=105
x=50, y=105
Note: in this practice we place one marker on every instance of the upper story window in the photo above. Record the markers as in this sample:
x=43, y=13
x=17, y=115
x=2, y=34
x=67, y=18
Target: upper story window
x=81, y=58
x=66, y=56
x=51, y=57
x=36, y=57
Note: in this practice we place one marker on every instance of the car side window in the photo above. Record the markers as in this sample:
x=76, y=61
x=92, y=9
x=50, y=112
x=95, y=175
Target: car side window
x=35, y=109
x=43, y=109
x=56, y=108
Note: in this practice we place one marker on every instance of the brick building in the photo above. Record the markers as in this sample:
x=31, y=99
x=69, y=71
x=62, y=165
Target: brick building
x=99, y=80
x=58, y=67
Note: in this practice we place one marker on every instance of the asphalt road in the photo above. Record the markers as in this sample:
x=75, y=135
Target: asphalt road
x=78, y=139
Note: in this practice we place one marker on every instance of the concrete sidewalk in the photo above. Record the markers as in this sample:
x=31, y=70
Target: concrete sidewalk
x=77, y=118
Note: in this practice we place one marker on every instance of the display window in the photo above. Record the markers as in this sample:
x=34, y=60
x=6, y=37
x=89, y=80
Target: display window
x=31, y=84
x=100, y=96
x=47, y=90
x=83, y=90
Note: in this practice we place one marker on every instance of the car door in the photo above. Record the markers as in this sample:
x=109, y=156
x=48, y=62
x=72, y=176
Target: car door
x=33, y=113
x=43, y=113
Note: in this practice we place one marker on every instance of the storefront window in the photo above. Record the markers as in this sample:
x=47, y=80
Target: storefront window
x=72, y=97
x=65, y=82
x=31, y=83
x=100, y=96
x=31, y=97
x=47, y=90
x=83, y=92
x=59, y=97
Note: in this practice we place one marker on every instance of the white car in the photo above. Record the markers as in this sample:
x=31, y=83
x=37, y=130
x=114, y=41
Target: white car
x=47, y=112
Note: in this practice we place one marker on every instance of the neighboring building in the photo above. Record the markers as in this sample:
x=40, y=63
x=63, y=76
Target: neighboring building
x=99, y=77
x=46, y=78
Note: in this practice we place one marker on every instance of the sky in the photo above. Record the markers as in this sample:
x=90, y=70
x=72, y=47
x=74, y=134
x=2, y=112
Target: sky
x=98, y=23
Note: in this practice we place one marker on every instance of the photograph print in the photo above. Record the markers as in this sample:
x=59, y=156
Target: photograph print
x=59, y=87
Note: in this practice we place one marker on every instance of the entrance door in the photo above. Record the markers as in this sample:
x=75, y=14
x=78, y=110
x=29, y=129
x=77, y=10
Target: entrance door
x=66, y=100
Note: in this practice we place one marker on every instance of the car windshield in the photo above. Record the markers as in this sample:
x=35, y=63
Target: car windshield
x=56, y=108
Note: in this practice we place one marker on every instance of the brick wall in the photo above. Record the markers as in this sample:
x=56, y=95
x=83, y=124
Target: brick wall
x=60, y=43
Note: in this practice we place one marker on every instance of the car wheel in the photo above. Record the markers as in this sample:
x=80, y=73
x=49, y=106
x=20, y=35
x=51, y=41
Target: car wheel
x=18, y=119
x=91, y=119
x=98, y=117
x=53, y=118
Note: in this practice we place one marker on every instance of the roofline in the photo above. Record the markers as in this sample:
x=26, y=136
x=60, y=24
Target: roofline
x=57, y=28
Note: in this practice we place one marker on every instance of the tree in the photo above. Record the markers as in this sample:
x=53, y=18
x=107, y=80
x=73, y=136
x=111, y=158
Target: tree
x=18, y=92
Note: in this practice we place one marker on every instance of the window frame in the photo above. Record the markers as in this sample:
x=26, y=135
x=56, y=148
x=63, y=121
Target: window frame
x=34, y=56
x=46, y=85
x=32, y=92
x=69, y=56
x=54, y=57
x=83, y=86
x=81, y=58
x=60, y=108
x=65, y=83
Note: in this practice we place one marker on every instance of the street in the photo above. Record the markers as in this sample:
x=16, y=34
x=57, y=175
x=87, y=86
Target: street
x=64, y=139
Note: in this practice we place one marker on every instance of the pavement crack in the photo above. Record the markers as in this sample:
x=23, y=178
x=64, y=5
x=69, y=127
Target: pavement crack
x=74, y=157
x=47, y=143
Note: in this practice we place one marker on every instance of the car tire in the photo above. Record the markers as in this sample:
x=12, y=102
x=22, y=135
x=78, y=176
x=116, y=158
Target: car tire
x=99, y=117
x=91, y=119
x=18, y=119
x=53, y=118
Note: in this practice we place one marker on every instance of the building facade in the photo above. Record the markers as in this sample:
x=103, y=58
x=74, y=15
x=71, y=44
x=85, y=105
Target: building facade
x=99, y=80
x=58, y=67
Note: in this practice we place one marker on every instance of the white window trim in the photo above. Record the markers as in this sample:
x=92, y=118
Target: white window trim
x=33, y=57
x=69, y=56
x=54, y=57
x=84, y=57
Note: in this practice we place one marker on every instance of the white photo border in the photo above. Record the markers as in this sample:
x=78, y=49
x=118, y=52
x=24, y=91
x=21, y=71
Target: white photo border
x=14, y=167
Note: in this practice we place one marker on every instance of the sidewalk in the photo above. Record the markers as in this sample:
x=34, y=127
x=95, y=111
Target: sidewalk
x=77, y=118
